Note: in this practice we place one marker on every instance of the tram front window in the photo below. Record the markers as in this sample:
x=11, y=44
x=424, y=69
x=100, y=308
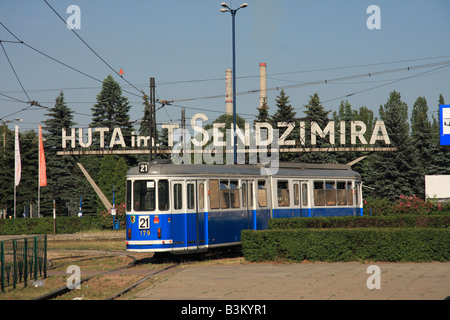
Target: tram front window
x=144, y=195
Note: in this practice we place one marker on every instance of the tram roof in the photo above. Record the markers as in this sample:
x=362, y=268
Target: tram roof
x=283, y=169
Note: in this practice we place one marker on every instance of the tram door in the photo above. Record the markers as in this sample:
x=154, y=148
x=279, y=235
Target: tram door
x=195, y=209
x=248, y=204
x=301, y=197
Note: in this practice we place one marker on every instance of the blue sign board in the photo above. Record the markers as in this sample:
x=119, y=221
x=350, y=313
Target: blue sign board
x=444, y=111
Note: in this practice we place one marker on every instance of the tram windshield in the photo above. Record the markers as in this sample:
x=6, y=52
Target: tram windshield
x=144, y=195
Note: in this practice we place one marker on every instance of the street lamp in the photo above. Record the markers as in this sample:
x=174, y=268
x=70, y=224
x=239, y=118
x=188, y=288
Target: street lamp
x=226, y=8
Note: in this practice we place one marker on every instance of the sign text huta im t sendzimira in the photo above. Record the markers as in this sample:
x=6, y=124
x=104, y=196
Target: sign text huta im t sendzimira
x=262, y=135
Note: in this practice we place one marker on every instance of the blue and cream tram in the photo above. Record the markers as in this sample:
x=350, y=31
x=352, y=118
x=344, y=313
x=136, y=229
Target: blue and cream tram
x=186, y=208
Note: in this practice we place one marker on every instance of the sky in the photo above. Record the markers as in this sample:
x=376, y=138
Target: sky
x=186, y=47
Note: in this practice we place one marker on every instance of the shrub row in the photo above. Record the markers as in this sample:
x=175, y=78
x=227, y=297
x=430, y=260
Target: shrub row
x=408, y=221
x=45, y=225
x=362, y=244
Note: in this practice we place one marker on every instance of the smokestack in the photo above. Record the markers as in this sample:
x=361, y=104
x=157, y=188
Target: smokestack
x=229, y=93
x=262, y=83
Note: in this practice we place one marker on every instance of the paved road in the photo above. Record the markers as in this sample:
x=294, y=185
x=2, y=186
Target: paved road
x=304, y=281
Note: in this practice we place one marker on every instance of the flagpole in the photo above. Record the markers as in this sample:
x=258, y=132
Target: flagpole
x=39, y=173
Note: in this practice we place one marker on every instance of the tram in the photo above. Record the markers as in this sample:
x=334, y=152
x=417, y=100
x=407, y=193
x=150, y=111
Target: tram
x=191, y=207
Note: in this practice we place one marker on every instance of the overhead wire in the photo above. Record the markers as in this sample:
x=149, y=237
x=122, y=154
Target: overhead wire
x=82, y=40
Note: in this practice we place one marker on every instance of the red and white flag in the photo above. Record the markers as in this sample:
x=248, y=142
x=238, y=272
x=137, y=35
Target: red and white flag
x=17, y=162
x=42, y=166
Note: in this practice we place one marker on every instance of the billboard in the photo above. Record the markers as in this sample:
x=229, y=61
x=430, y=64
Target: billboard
x=444, y=111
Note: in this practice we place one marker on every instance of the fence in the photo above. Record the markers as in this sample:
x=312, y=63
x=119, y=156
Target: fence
x=23, y=259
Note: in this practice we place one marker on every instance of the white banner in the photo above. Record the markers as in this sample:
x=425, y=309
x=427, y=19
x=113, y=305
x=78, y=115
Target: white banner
x=17, y=163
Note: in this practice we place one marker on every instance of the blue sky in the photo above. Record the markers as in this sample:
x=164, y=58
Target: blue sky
x=186, y=46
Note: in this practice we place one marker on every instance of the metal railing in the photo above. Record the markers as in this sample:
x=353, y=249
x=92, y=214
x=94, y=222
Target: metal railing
x=22, y=259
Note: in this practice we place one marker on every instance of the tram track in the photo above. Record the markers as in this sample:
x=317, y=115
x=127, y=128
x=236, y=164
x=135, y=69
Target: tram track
x=64, y=289
x=96, y=255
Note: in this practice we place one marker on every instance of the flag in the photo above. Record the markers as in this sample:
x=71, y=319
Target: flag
x=42, y=167
x=17, y=162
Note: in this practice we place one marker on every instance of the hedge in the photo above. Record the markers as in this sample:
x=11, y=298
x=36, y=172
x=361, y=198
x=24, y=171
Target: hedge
x=404, y=221
x=361, y=244
x=45, y=225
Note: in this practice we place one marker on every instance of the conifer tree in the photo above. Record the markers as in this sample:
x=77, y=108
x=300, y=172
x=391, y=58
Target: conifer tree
x=423, y=141
x=263, y=112
x=63, y=177
x=395, y=172
x=316, y=113
x=111, y=111
x=440, y=163
x=285, y=113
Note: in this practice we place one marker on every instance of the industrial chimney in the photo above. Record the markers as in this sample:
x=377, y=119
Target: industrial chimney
x=262, y=83
x=228, y=93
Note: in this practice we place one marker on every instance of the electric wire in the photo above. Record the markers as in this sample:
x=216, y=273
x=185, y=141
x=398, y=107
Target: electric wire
x=15, y=73
x=82, y=40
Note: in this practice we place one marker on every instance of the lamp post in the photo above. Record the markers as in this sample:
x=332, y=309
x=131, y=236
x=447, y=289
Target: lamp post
x=226, y=8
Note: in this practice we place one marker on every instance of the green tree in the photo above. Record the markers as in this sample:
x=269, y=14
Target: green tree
x=347, y=114
x=112, y=173
x=263, y=112
x=285, y=113
x=63, y=176
x=440, y=163
x=111, y=110
x=395, y=172
x=7, y=169
x=316, y=113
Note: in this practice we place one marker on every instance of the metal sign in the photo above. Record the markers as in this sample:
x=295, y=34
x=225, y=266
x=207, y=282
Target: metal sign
x=444, y=111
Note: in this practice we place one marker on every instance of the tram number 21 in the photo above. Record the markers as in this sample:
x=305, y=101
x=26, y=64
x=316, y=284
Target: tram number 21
x=144, y=222
x=143, y=167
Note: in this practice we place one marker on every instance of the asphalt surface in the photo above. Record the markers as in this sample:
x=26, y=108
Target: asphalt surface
x=294, y=281
x=305, y=281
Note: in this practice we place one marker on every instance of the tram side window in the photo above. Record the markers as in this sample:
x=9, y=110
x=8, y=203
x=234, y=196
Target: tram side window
x=177, y=196
x=128, y=195
x=234, y=194
x=244, y=192
x=341, y=193
x=305, y=194
x=190, y=196
x=330, y=193
x=283, y=193
x=224, y=194
x=296, y=195
x=201, y=196
x=319, y=193
x=214, y=194
x=357, y=193
x=250, y=189
x=349, y=193
x=262, y=193
x=144, y=195
x=163, y=195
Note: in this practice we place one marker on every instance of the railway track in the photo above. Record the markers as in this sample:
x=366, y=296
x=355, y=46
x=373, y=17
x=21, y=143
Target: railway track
x=99, y=255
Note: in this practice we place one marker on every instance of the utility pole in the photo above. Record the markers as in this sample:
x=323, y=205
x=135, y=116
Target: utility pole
x=183, y=128
x=152, y=121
